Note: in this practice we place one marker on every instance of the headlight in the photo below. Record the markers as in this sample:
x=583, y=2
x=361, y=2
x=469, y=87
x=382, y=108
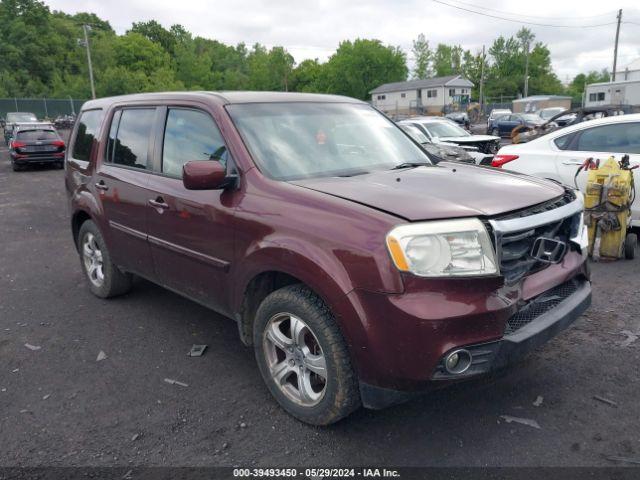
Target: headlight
x=443, y=248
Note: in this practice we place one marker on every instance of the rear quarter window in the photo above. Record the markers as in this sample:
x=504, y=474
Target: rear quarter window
x=563, y=142
x=88, y=126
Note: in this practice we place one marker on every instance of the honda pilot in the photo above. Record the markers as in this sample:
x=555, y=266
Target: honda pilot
x=361, y=270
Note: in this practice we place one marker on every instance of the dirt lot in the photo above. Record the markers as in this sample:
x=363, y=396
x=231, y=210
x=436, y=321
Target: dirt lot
x=59, y=406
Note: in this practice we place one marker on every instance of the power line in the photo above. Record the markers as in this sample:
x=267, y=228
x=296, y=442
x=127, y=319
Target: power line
x=522, y=21
x=608, y=14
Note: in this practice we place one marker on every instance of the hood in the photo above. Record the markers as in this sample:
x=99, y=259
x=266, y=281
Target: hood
x=447, y=190
x=470, y=139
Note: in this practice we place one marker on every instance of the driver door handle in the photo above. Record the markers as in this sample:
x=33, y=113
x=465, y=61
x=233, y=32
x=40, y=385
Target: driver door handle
x=572, y=162
x=159, y=203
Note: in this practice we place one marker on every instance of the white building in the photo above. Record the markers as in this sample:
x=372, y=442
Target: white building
x=630, y=72
x=625, y=92
x=430, y=95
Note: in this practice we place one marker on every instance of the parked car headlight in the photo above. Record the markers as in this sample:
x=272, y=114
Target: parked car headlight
x=446, y=248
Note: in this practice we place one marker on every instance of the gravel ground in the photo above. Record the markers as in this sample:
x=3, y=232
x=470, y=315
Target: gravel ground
x=61, y=407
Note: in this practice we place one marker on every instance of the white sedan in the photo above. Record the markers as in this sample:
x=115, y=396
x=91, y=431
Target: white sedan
x=558, y=154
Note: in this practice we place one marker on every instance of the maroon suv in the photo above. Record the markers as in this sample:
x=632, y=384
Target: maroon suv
x=361, y=269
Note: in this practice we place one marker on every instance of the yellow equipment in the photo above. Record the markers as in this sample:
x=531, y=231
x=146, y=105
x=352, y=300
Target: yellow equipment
x=609, y=194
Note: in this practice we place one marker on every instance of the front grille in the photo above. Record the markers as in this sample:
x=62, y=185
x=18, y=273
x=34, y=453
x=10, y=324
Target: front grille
x=540, y=305
x=514, y=247
x=488, y=147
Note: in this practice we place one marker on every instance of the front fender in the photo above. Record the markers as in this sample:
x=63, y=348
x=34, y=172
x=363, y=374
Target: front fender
x=319, y=270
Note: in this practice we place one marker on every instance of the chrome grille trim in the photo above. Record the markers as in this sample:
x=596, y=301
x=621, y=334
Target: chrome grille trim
x=539, y=219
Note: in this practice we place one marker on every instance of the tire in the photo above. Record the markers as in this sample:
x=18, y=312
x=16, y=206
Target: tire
x=301, y=390
x=105, y=279
x=630, y=244
x=495, y=132
x=59, y=165
x=16, y=167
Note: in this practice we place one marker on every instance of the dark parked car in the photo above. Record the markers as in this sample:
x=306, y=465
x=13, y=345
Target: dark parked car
x=36, y=146
x=461, y=118
x=359, y=270
x=504, y=126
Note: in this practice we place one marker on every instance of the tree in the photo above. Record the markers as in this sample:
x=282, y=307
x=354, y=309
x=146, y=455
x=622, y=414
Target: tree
x=578, y=85
x=309, y=76
x=447, y=60
x=422, y=57
x=155, y=32
x=360, y=66
x=506, y=72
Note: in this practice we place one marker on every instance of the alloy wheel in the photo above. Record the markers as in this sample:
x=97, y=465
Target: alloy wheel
x=295, y=359
x=92, y=258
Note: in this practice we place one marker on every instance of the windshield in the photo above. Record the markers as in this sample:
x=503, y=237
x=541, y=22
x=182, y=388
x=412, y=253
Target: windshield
x=35, y=135
x=547, y=113
x=444, y=129
x=291, y=141
x=21, y=117
x=415, y=133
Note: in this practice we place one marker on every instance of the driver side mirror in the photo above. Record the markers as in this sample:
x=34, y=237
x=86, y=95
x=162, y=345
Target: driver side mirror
x=206, y=175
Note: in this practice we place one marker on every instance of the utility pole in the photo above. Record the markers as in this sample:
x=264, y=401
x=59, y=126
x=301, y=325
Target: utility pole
x=482, y=83
x=85, y=29
x=526, y=72
x=615, y=49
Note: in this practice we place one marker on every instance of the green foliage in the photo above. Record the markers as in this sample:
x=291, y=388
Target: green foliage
x=358, y=67
x=577, y=86
x=422, y=57
x=40, y=55
x=447, y=60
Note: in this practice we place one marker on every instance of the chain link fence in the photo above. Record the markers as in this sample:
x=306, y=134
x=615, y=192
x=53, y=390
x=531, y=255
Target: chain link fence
x=43, y=108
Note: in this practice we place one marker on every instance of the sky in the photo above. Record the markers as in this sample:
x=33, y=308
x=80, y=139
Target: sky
x=313, y=29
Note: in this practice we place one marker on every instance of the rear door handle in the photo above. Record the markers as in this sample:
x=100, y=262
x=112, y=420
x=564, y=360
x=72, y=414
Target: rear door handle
x=159, y=203
x=102, y=186
x=572, y=162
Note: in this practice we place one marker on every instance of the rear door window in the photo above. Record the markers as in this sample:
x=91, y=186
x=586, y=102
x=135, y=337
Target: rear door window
x=190, y=135
x=132, y=137
x=88, y=125
x=616, y=138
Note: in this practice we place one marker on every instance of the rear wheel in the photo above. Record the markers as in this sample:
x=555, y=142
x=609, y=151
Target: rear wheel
x=303, y=358
x=630, y=244
x=104, y=278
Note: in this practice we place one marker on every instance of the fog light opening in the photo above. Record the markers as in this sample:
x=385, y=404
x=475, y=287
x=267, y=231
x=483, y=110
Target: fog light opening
x=458, y=361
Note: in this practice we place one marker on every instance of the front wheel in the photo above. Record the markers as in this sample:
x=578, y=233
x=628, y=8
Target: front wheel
x=105, y=279
x=495, y=132
x=303, y=357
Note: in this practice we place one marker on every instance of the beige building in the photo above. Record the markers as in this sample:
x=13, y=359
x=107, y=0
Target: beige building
x=430, y=95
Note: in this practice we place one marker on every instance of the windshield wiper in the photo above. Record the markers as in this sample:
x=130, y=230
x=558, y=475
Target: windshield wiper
x=411, y=165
